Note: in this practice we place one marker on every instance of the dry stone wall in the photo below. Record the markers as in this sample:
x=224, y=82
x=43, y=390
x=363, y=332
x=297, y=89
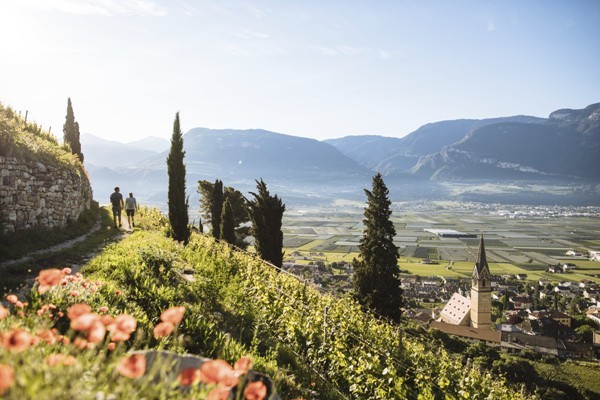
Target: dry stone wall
x=36, y=195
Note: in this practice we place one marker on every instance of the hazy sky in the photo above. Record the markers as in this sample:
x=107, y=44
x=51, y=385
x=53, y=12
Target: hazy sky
x=313, y=68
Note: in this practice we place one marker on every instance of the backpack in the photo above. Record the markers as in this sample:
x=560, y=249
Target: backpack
x=115, y=200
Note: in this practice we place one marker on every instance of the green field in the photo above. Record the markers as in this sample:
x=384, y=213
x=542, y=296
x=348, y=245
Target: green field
x=523, y=240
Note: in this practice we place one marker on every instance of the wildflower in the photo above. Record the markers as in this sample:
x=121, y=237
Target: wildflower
x=84, y=322
x=218, y=371
x=103, y=309
x=78, y=309
x=255, y=391
x=111, y=346
x=74, y=293
x=7, y=377
x=4, y=312
x=17, y=340
x=219, y=393
x=122, y=328
x=20, y=304
x=82, y=344
x=96, y=332
x=60, y=359
x=163, y=329
x=189, y=376
x=173, y=315
x=48, y=278
x=66, y=271
x=47, y=336
x=118, y=292
x=242, y=365
x=12, y=299
x=107, y=320
x=133, y=366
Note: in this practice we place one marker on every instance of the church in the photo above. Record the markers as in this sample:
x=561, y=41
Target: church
x=471, y=317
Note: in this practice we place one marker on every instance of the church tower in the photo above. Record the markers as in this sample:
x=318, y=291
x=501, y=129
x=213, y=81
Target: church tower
x=481, y=291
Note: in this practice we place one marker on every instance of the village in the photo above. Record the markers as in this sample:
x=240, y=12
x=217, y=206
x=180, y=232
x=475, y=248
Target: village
x=559, y=317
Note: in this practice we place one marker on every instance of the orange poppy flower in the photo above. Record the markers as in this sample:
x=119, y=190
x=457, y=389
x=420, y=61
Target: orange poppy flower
x=122, y=328
x=84, y=321
x=219, y=393
x=255, y=391
x=67, y=271
x=111, y=346
x=17, y=340
x=48, y=278
x=60, y=359
x=163, y=329
x=189, y=376
x=78, y=309
x=242, y=365
x=47, y=336
x=216, y=371
x=7, y=377
x=173, y=315
x=96, y=332
x=133, y=366
x=12, y=299
x=4, y=312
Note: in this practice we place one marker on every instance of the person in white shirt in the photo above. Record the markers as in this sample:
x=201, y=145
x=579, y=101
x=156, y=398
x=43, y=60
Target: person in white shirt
x=130, y=207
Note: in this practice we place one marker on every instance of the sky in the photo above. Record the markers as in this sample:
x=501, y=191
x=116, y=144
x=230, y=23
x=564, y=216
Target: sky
x=313, y=68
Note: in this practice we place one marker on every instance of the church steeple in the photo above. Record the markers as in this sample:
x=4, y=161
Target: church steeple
x=481, y=272
x=481, y=291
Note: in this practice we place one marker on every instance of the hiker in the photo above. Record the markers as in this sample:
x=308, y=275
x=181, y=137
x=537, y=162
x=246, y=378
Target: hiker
x=116, y=199
x=130, y=207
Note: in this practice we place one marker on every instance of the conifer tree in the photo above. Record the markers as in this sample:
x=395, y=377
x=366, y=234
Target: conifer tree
x=71, y=132
x=178, y=203
x=266, y=214
x=227, y=224
x=216, y=209
x=376, y=272
x=239, y=205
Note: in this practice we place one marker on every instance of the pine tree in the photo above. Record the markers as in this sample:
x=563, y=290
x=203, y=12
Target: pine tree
x=227, y=224
x=266, y=214
x=71, y=132
x=178, y=203
x=216, y=208
x=376, y=273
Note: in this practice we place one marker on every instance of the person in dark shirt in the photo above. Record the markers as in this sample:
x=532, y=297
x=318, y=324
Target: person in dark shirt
x=116, y=199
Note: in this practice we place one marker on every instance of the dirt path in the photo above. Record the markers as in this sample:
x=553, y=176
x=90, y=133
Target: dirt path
x=125, y=231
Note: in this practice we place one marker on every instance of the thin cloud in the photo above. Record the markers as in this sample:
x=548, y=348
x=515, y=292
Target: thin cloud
x=490, y=26
x=99, y=7
x=349, y=51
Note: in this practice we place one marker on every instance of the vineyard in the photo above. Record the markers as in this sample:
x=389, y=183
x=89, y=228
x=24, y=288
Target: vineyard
x=311, y=344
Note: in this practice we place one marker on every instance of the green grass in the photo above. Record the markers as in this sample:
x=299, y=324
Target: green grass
x=580, y=374
x=14, y=276
x=21, y=243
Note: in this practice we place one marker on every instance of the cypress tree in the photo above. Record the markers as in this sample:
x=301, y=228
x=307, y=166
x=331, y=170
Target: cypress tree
x=216, y=208
x=376, y=273
x=227, y=223
x=239, y=205
x=178, y=203
x=266, y=214
x=71, y=132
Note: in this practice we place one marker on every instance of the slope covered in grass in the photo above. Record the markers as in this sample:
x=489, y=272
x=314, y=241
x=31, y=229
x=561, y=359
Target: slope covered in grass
x=310, y=344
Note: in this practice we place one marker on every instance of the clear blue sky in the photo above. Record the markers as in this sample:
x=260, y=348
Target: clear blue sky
x=313, y=68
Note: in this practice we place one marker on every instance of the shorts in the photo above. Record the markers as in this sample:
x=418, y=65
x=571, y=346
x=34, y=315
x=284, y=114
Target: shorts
x=116, y=210
x=130, y=212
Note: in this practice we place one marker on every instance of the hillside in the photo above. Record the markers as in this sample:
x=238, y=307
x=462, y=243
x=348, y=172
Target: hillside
x=308, y=344
x=25, y=140
x=564, y=147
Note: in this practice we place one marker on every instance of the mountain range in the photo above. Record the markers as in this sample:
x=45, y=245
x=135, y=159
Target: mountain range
x=559, y=150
